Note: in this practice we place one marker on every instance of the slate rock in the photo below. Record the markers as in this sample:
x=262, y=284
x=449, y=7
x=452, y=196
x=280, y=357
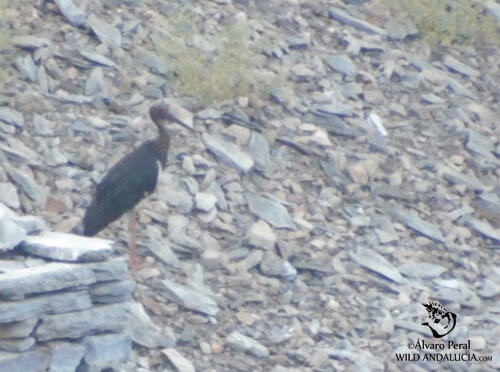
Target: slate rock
x=374, y=261
x=346, y=19
x=71, y=12
x=417, y=224
x=229, y=153
x=44, y=278
x=273, y=265
x=68, y=247
x=180, y=362
x=106, y=33
x=107, y=351
x=261, y=235
x=103, y=319
x=18, y=329
x=17, y=345
x=270, y=211
x=341, y=63
x=190, y=298
x=240, y=342
x=11, y=235
x=145, y=332
x=27, y=184
x=41, y=305
x=112, y=292
x=65, y=356
x=36, y=360
x=12, y=117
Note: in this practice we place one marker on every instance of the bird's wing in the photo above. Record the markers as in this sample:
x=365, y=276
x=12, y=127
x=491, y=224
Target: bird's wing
x=124, y=186
x=126, y=167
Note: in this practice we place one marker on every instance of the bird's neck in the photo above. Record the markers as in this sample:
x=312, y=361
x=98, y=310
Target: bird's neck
x=164, y=143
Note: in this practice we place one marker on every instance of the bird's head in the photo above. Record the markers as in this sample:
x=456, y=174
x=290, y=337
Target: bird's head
x=162, y=113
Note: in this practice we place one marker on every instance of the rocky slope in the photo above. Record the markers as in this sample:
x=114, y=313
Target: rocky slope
x=308, y=222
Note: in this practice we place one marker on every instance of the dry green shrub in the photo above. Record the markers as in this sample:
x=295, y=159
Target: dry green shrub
x=214, y=76
x=448, y=22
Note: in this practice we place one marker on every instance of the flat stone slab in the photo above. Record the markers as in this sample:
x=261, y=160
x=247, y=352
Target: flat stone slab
x=65, y=356
x=37, y=360
x=190, y=298
x=269, y=210
x=229, y=153
x=113, y=269
x=44, y=278
x=68, y=247
x=106, y=351
x=104, y=319
x=38, y=306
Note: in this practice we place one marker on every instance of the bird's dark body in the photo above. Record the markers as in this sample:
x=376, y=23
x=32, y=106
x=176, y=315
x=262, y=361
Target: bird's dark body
x=125, y=185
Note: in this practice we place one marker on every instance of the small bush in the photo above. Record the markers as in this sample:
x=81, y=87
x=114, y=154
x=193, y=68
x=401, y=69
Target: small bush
x=449, y=22
x=215, y=75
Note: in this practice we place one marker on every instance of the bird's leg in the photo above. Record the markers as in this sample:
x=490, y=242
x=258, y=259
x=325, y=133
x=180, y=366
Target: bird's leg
x=135, y=262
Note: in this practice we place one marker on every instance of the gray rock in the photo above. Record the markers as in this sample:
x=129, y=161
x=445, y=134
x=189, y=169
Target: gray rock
x=152, y=61
x=107, y=351
x=37, y=360
x=44, y=278
x=38, y=306
x=259, y=150
x=190, y=298
x=180, y=362
x=415, y=223
x=17, y=345
x=18, y=329
x=145, y=332
x=335, y=108
x=177, y=225
x=32, y=224
x=456, y=66
x=484, y=228
x=68, y=247
x=29, y=42
x=161, y=248
x=95, y=83
x=103, y=319
x=270, y=211
x=106, y=33
x=479, y=144
x=112, y=292
x=97, y=58
x=375, y=262
x=460, y=89
x=27, y=184
x=453, y=175
x=205, y=201
x=12, y=117
x=229, y=153
x=42, y=126
x=344, y=18
x=113, y=269
x=341, y=63
x=27, y=68
x=422, y=270
x=398, y=28
x=273, y=265
x=180, y=199
x=240, y=342
x=72, y=13
x=10, y=233
x=65, y=356
x=261, y=235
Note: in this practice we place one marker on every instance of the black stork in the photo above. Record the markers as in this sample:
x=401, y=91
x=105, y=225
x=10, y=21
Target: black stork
x=129, y=181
